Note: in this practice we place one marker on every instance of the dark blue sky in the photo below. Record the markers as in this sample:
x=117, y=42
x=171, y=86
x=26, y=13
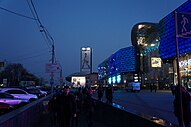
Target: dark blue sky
x=104, y=25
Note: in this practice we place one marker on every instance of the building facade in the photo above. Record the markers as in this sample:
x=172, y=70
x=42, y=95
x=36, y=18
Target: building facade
x=120, y=68
x=145, y=36
x=172, y=41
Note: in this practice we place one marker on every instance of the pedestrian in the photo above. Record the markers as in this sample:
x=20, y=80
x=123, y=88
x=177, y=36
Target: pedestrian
x=185, y=106
x=155, y=87
x=52, y=108
x=78, y=99
x=100, y=92
x=151, y=87
x=172, y=88
x=67, y=107
x=109, y=94
x=89, y=107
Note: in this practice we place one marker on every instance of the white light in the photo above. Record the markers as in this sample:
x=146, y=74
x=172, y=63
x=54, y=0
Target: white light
x=114, y=80
x=152, y=45
x=140, y=26
x=118, y=78
x=83, y=49
x=88, y=48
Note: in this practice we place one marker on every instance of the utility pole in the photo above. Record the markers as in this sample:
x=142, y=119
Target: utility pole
x=52, y=74
x=178, y=74
x=53, y=54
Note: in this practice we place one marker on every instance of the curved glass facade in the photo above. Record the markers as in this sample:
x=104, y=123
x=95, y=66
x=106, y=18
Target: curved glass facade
x=145, y=36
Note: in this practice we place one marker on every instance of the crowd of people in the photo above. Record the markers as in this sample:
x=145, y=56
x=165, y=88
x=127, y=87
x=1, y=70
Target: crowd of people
x=67, y=106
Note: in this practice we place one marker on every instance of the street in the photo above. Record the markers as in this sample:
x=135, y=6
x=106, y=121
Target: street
x=159, y=104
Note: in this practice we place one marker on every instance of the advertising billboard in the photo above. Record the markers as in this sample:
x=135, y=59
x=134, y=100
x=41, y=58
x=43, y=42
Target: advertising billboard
x=78, y=81
x=155, y=62
x=86, y=60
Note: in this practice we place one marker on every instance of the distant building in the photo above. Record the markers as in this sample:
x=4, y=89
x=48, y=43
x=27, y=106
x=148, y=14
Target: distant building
x=92, y=79
x=3, y=64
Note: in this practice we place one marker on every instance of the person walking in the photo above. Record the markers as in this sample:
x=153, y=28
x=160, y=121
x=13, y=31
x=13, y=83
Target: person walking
x=52, y=107
x=67, y=107
x=185, y=106
x=151, y=87
x=100, y=92
x=109, y=94
x=89, y=107
x=155, y=87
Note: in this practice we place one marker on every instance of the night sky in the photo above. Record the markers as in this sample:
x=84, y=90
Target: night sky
x=103, y=25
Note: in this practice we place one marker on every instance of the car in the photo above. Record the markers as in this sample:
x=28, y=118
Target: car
x=10, y=99
x=19, y=93
x=4, y=108
x=133, y=86
x=36, y=91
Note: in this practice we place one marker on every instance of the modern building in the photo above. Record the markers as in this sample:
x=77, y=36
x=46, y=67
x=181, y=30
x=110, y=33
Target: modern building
x=172, y=39
x=120, y=68
x=145, y=36
x=92, y=79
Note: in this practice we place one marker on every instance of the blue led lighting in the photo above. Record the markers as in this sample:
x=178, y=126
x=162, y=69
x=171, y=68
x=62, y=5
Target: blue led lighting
x=109, y=80
x=113, y=80
x=118, y=78
x=167, y=33
x=124, y=60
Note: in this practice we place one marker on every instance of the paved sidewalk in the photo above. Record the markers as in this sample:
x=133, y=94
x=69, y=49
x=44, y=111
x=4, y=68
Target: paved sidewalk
x=46, y=122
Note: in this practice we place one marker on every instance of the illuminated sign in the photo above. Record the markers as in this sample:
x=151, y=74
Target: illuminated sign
x=113, y=79
x=86, y=59
x=155, y=62
x=109, y=80
x=78, y=81
x=183, y=24
x=185, y=63
x=118, y=78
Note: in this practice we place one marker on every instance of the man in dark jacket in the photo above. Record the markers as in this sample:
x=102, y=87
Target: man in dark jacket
x=67, y=107
x=89, y=107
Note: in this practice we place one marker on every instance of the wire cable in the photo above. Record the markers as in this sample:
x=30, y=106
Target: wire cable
x=42, y=51
x=39, y=25
x=29, y=57
x=21, y=15
x=43, y=29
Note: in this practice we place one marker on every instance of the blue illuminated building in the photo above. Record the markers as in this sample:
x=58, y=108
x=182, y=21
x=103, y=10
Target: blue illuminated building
x=151, y=42
x=114, y=70
x=167, y=33
x=167, y=48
